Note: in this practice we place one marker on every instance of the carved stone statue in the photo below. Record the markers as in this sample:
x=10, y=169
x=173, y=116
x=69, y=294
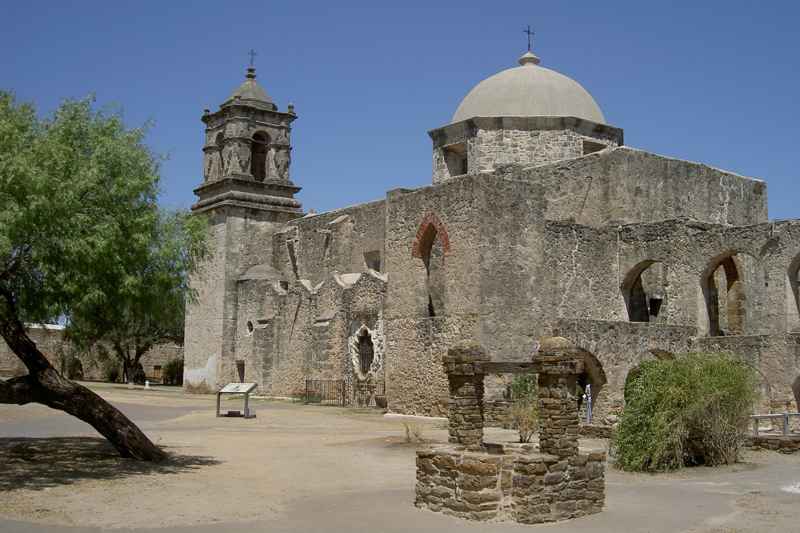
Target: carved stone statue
x=208, y=163
x=243, y=153
x=271, y=172
x=282, y=161
x=231, y=160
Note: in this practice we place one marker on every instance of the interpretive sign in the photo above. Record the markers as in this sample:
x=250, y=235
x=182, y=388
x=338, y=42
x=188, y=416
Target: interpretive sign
x=237, y=388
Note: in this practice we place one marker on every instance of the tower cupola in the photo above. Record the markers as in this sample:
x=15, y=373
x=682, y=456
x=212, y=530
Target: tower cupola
x=247, y=152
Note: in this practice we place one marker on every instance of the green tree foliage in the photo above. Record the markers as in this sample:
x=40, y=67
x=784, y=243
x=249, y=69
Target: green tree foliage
x=78, y=219
x=687, y=411
x=149, y=307
x=525, y=407
x=172, y=373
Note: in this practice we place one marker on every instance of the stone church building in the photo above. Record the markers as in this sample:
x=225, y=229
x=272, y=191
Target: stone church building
x=539, y=221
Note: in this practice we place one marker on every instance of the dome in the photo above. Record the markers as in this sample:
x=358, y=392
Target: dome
x=529, y=91
x=251, y=91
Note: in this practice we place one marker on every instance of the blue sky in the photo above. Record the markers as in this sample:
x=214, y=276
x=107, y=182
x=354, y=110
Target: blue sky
x=717, y=82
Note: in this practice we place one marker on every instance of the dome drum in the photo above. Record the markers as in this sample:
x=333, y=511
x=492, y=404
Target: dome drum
x=480, y=144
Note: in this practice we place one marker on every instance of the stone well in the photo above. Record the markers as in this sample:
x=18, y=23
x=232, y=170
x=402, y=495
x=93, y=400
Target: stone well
x=475, y=480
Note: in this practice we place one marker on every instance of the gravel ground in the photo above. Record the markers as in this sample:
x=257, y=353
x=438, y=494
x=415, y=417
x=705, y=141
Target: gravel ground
x=305, y=468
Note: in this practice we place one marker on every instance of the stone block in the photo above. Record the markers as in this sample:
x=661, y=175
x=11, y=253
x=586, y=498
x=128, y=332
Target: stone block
x=553, y=478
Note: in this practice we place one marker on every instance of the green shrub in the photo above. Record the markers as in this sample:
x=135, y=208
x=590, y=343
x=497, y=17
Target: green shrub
x=524, y=411
x=687, y=411
x=172, y=373
x=111, y=371
x=74, y=368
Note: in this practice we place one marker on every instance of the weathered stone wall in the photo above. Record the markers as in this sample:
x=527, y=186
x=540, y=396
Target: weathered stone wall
x=591, y=269
x=343, y=241
x=239, y=239
x=776, y=443
x=513, y=483
x=776, y=358
x=490, y=149
x=417, y=341
x=50, y=340
x=618, y=348
x=491, y=142
x=623, y=185
x=480, y=481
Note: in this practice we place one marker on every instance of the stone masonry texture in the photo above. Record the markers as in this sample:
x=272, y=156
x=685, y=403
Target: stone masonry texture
x=532, y=226
x=513, y=482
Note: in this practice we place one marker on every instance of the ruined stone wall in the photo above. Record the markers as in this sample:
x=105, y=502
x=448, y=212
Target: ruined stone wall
x=624, y=185
x=50, y=340
x=516, y=484
x=776, y=359
x=619, y=347
x=345, y=241
x=416, y=341
x=305, y=332
x=589, y=271
x=512, y=250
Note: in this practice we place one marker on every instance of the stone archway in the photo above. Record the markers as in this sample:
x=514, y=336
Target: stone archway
x=644, y=291
x=431, y=244
x=594, y=375
x=724, y=290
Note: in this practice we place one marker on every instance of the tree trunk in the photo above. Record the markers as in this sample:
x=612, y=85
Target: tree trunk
x=45, y=385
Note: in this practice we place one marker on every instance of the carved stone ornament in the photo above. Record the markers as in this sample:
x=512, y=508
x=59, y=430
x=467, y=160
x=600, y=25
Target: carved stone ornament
x=378, y=347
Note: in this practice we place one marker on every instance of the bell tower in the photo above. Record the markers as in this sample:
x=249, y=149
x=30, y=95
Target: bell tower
x=247, y=153
x=247, y=195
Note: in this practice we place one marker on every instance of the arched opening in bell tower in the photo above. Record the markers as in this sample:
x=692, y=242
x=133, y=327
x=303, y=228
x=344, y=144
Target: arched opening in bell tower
x=258, y=159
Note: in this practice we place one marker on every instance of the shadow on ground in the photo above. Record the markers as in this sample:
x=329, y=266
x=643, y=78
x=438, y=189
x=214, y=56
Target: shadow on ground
x=37, y=464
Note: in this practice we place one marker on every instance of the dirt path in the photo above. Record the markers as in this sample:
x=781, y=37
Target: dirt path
x=301, y=468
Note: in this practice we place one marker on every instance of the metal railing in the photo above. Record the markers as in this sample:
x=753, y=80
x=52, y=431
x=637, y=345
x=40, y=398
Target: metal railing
x=326, y=392
x=784, y=417
x=337, y=392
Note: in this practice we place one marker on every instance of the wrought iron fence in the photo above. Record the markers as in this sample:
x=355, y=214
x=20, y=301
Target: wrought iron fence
x=326, y=392
x=335, y=392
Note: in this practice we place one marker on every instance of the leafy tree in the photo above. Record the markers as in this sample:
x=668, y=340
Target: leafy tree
x=149, y=308
x=525, y=407
x=78, y=214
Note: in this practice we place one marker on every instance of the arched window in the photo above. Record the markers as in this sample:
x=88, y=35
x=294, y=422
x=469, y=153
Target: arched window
x=724, y=290
x=431, y=245
x=644, y=290
x=794, y=284
x=433, y=258
x=594, y=375
x=258, y=159
x=796, y=392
